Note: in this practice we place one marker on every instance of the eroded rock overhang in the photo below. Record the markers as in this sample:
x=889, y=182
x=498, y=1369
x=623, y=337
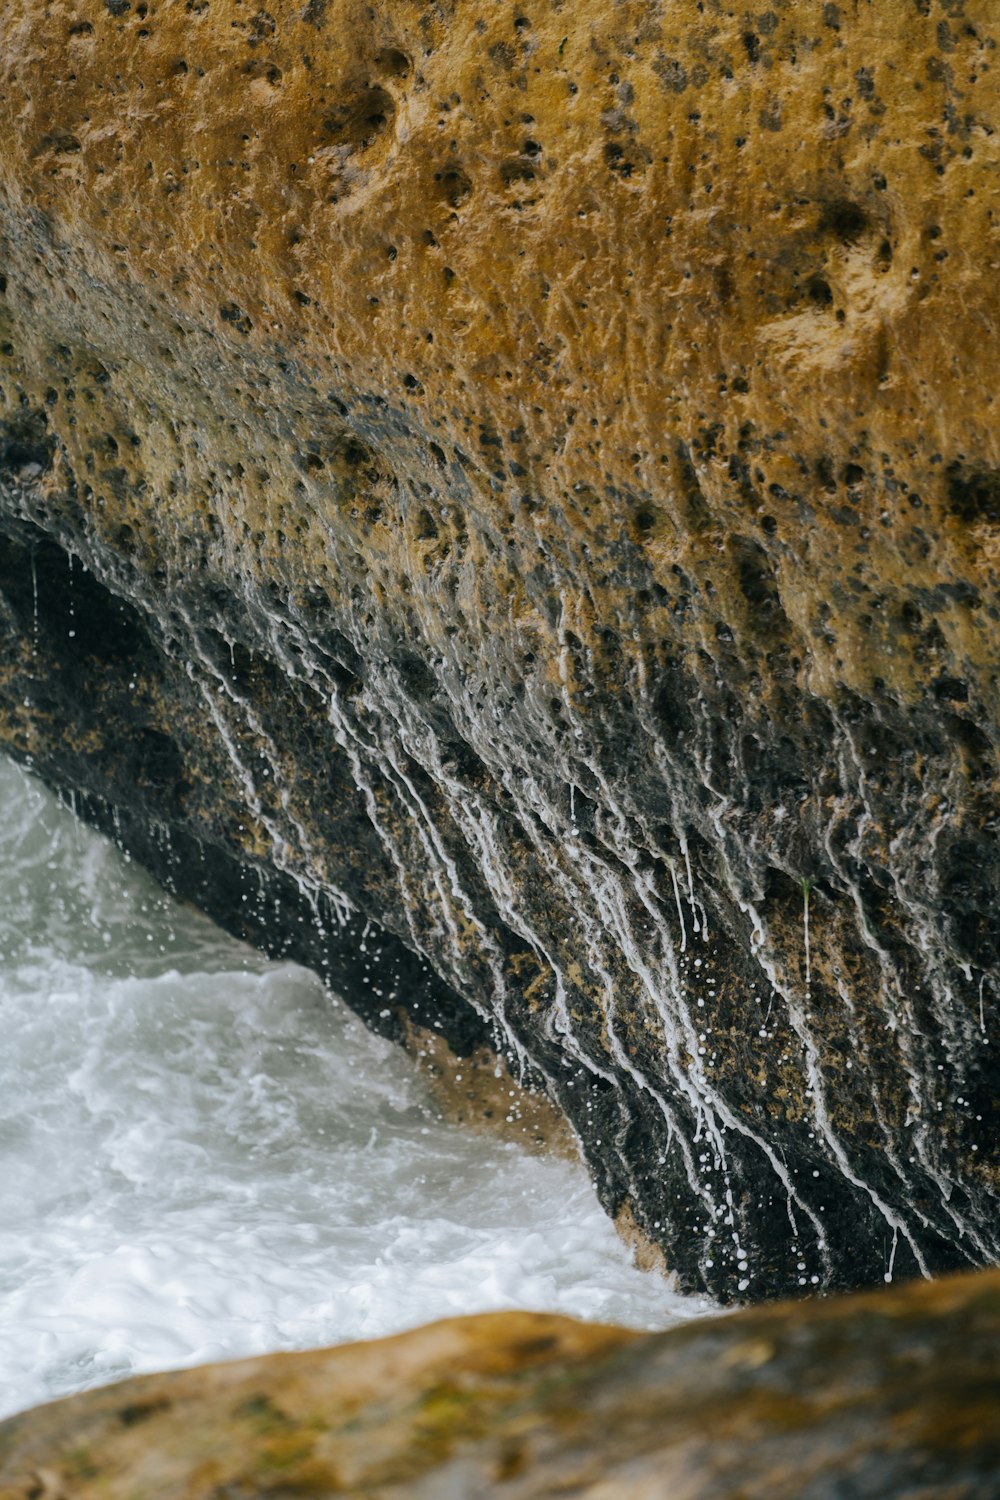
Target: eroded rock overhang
x=527, y=478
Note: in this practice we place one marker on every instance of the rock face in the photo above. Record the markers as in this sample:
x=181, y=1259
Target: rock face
x=522, y=485
x=892, y=1394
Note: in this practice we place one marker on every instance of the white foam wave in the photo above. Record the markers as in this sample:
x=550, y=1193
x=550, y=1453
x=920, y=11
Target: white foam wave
x=204, y=1155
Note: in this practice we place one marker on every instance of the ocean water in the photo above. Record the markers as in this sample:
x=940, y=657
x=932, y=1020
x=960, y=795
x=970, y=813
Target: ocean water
x=204, y=1155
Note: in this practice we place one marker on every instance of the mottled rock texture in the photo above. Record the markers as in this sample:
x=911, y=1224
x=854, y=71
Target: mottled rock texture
x=522, y=481
x=887, y=1395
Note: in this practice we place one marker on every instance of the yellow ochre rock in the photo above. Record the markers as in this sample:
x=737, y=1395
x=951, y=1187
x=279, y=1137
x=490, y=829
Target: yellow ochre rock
x=502, y=501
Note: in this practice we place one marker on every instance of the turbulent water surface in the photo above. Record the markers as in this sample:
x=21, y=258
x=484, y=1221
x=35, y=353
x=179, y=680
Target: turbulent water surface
x=204, y=1155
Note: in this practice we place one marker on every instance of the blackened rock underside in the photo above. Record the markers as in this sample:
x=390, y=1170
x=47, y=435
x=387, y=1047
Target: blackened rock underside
x=503, y=503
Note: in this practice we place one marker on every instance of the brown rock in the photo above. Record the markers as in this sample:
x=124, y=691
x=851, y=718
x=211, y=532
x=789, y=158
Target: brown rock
x=892, y=1394
x=534, y=483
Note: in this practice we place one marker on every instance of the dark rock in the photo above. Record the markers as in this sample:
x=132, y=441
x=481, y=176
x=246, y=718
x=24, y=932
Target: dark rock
x=533, y=487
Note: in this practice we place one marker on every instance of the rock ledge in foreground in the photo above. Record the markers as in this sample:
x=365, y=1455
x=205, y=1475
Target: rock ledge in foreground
x=885, y=1395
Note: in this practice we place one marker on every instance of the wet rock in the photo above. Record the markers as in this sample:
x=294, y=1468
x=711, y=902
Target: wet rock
x=503, y=505
x=889, y=1394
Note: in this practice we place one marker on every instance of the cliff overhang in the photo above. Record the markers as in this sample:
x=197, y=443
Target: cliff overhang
x=504, y=505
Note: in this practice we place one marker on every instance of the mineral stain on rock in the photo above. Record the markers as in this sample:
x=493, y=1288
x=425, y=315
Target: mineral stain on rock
x=523, y=488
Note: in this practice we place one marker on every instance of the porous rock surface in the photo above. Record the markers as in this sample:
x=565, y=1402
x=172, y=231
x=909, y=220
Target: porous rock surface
x=890, y=1394
x=503, y=501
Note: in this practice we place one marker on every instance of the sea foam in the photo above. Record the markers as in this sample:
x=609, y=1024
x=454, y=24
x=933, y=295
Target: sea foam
x=204, y=1155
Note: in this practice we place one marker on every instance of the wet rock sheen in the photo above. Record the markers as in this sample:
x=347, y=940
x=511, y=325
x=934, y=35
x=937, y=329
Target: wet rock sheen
x=503, y=504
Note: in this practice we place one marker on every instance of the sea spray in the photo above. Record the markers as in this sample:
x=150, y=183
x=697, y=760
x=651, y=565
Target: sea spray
x=204, y=1155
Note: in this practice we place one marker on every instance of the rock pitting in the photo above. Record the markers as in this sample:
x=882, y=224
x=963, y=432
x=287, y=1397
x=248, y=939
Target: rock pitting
x=503, y=503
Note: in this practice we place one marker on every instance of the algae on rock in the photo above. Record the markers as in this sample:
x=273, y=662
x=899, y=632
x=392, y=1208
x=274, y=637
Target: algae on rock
x=527, y=479
x=798, y=1402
